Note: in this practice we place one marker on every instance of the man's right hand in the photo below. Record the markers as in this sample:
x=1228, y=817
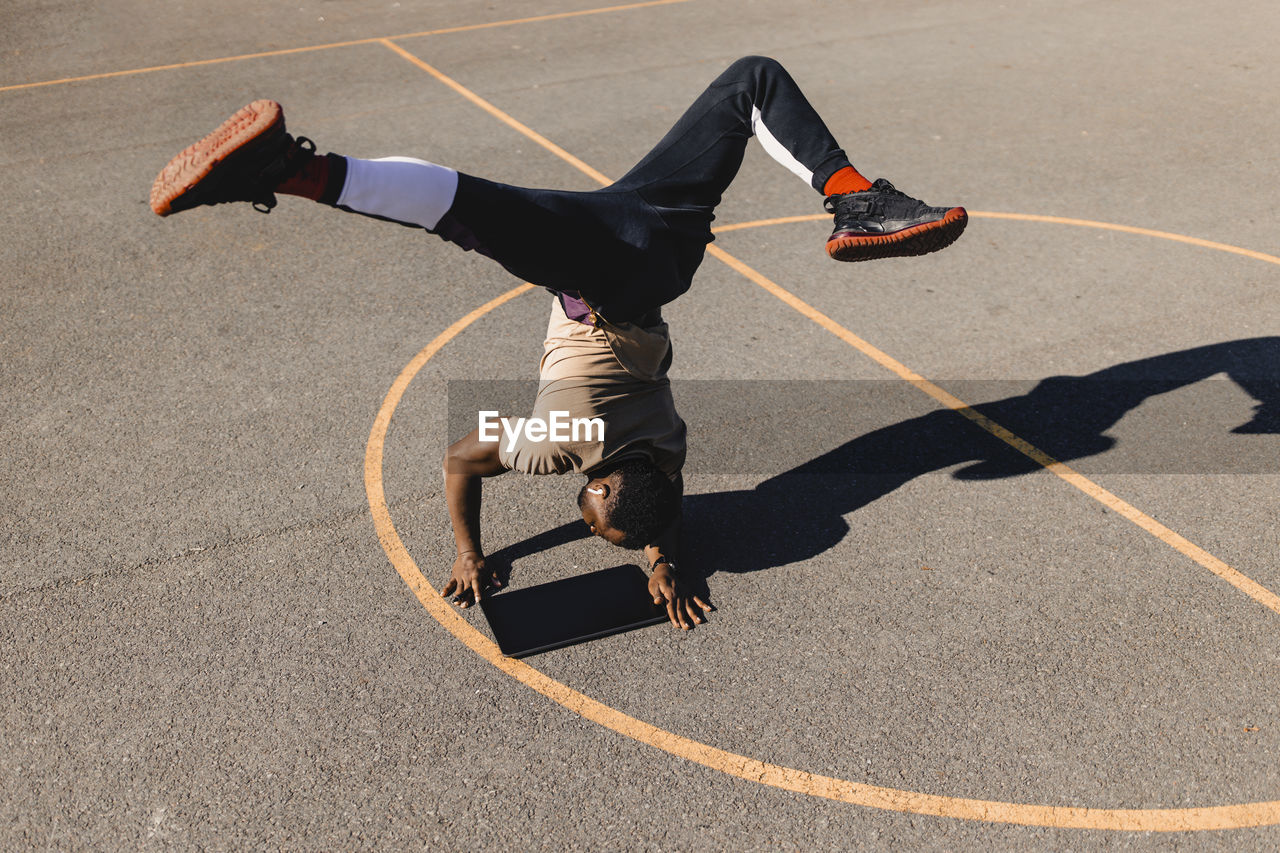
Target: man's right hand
x=469, y=579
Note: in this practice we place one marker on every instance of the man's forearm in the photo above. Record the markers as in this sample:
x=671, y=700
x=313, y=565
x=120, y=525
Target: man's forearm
x=466, y=463
x=463, y=494
x=667, y=545
x=668, y=542
x=665, y=548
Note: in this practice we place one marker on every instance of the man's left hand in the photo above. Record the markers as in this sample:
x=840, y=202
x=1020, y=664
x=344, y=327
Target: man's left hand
x=666, y=587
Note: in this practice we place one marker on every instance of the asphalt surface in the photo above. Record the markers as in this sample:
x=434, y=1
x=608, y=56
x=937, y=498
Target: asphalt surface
x=203, y=643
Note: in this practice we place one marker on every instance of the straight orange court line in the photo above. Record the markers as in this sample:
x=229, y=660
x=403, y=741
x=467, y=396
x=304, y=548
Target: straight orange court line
x=557, y=16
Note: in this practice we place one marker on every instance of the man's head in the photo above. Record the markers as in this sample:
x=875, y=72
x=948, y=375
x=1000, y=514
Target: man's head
x=630, y=505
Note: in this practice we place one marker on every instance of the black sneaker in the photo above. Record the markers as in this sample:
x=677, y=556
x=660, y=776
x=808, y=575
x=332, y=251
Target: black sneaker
x=245, y=159
x=883, y=222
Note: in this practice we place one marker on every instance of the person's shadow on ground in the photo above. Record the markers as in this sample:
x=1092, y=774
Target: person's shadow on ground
x=800, y=513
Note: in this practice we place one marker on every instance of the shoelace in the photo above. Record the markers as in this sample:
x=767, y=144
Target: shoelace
x=883, y=186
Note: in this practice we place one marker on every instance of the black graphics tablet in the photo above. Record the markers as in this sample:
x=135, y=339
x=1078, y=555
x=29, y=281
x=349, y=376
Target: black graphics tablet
x=573, y=610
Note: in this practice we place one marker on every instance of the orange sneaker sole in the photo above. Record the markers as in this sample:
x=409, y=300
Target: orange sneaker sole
x=196, y=161
x=920, y=240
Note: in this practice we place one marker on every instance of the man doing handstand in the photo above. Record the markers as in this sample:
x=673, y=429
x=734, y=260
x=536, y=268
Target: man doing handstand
x=611, y=258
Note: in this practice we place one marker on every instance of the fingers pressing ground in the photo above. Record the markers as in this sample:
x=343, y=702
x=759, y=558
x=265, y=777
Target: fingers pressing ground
x=673, y=614
x=693, y=614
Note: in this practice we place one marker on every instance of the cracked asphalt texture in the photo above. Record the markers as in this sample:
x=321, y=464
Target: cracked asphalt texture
x=203, y=645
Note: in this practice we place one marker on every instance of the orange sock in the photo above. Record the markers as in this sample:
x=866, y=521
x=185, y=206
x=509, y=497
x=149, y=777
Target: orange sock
x=310, y=181
x=847, y=180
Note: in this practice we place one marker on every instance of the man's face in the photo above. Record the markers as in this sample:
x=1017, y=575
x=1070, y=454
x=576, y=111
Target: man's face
x=595, y=494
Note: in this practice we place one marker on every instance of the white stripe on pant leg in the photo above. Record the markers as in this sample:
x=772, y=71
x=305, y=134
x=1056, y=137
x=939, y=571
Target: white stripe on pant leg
x=775, y=148
x=399, y=188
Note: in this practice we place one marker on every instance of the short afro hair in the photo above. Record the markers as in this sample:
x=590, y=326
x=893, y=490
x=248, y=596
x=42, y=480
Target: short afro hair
x=644, y=502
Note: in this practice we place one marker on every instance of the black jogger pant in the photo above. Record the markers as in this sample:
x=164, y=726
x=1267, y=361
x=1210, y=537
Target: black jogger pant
x=633, y=246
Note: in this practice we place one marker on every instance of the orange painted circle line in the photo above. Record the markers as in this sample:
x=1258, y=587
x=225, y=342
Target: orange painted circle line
x=799, y=781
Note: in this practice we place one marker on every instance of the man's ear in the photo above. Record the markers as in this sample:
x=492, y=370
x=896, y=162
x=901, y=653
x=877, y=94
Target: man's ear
x=599, y=488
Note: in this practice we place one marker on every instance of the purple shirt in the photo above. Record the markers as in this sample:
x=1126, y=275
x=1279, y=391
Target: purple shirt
x=574, y=307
